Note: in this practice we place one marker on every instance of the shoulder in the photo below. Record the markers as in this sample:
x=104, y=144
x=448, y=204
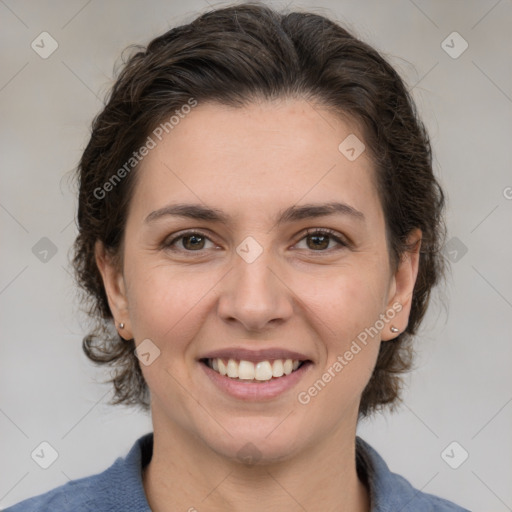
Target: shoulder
x=390, y=491
x=82, y=494
x=118, y=488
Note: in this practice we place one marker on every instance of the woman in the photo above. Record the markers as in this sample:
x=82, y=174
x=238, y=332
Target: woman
x=259, y=219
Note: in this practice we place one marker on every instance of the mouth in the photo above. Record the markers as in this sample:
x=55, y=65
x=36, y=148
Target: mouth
x=255, y=372
x=253, y=381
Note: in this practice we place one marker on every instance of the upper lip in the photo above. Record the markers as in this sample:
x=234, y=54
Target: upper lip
x=255, y=355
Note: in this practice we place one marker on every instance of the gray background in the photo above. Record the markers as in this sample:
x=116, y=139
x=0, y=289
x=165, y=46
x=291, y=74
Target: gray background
x=461, y=389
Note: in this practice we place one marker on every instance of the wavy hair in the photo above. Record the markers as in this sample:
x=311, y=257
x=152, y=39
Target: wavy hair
x=233, y=56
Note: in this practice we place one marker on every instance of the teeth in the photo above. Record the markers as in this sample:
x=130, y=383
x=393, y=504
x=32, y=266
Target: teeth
x=277, y=368
x=232, y=369
x=247, y=370
x=222, y=367
x=263, y=371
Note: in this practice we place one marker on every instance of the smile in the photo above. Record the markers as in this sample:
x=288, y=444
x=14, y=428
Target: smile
x=254, y=381
x=261, y=371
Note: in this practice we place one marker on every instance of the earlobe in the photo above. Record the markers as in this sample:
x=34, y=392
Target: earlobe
x=403, y=283
x=115, y=289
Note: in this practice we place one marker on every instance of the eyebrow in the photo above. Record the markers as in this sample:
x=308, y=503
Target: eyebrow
x=291, y=214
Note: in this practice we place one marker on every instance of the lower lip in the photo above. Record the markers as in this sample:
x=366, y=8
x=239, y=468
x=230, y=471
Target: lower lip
x=254, y=391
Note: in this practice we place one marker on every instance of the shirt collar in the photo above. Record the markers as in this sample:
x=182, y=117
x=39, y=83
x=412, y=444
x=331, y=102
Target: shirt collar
x=388, y=491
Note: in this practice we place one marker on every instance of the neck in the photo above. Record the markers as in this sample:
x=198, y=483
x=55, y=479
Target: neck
x=185, y=474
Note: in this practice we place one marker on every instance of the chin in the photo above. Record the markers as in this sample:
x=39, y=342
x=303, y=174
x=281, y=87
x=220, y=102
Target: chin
x=259, y=446
x=252, y=453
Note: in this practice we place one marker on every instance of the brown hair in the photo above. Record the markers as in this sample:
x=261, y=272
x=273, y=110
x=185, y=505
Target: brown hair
x=235, y=55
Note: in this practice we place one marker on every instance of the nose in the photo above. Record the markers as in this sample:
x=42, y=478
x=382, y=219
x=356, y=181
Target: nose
x=255, y=295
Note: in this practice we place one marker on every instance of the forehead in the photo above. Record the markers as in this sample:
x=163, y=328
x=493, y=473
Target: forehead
x=261, y=155
x=275, y=125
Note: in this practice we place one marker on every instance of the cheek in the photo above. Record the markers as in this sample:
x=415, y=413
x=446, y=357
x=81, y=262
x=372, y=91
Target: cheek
x=164, y=302
x=347, y=311
x=346, y=302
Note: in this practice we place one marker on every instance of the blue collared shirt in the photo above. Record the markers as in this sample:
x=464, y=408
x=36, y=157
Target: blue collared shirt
x=119, y=488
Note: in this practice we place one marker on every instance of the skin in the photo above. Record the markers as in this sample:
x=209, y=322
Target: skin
x=252, y=163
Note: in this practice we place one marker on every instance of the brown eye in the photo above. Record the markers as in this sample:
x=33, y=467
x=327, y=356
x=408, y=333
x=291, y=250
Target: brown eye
x=318, y=240
x=193, y=242
x=190, y=242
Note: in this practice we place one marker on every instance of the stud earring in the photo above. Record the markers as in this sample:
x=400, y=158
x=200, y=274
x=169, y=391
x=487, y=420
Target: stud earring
x=394, y=329
x=121, y=326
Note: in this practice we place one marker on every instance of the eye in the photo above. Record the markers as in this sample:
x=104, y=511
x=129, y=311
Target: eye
x=320, y=239
x=192, y=241
x=317, y=240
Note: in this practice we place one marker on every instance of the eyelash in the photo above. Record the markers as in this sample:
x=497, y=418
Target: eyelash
x=311, y=231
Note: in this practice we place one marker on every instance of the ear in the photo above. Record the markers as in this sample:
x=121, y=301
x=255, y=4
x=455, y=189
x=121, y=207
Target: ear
x=115, y=288
x=402, y=286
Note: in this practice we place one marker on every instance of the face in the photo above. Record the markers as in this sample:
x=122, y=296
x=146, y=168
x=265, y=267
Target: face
x=257, y=269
